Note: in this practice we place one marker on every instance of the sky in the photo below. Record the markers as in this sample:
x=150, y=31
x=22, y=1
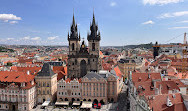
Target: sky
x=121, y=22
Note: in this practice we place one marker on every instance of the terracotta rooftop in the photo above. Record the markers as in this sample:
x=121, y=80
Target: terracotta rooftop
x=148, y=88
x=142, y=77
x=159, y=102
x=7, y=76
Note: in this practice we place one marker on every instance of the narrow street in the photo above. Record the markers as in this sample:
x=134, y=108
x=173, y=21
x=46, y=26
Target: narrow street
x=122, y=100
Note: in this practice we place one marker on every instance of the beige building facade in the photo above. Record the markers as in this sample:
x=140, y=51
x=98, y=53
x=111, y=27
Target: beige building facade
x=101, y=87
x=46, y=81
x=130, y=64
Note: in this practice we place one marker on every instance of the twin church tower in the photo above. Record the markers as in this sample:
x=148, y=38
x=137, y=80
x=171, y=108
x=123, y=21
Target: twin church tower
x=83, y=59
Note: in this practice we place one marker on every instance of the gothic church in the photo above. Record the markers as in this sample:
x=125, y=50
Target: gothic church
x=83, y=59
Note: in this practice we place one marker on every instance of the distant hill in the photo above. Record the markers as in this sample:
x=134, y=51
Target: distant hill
x=4, y=49
x=147, y=46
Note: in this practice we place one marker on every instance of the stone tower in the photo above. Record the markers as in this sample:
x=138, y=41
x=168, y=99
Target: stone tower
x=74, y=39
x=156, y=50
x=82, y=59
x=94, y=45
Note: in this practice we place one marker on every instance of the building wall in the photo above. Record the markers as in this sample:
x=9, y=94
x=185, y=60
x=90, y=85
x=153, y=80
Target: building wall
x=69, y=91
x=94, y=89
x=22, y=99
x=46, y=88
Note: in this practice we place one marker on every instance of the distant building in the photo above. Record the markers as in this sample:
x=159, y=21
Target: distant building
x=128, y=64
x=46, y=81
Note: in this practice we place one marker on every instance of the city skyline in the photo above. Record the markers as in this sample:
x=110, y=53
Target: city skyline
x=120, y=22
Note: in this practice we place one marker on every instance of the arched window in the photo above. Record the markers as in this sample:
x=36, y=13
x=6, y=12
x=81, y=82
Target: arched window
x=72, y=46
x=93, y=46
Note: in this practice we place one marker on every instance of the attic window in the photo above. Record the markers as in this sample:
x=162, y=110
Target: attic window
x=168, y=86
x=6, y=76
x=17, y=77
x=139, y=79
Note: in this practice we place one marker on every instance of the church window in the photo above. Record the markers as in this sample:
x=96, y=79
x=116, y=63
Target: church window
x=93, y=46
x=75, y=61
x=72, y=46
x=93, y=60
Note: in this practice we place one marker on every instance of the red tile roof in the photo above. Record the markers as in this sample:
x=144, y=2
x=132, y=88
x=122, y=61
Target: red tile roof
x=8, y=76
x=159, y=102
x=118, y=72
x=33, y=69
x=147, y=88
x=178, y=83
x=142, y=77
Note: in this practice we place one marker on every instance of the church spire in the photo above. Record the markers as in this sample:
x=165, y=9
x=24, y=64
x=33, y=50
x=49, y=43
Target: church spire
x=74, y=32
x=94, y=35
x=93, y=22
x=73, y=20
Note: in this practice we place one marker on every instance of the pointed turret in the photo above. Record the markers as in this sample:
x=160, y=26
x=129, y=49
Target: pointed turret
x=94, y=35
x=79, y=36
x=73, y=20
x=68, y=35
x=74, y=33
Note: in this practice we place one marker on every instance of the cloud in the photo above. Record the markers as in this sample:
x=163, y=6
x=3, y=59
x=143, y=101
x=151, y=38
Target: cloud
x=148, y=22
x=160, y=2
x=13, y=22
x=175, y=14
x=178, y=28
x=10, y=38
x=112, y=4
x=5, y=20
x=9, y=17
x=185, y=21
x=26, y=38
x=36, y=38
x=52, y=38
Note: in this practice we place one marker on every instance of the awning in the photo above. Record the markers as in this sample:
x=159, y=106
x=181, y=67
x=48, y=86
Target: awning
x=76, y=103
x=46, y=103
x=65, y=103
x=86, y=104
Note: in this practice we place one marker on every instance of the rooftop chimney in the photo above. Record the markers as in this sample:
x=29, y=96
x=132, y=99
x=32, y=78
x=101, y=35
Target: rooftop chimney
x=149, y=76
x=168, y=103
x=160, y=88
x=28, y=72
